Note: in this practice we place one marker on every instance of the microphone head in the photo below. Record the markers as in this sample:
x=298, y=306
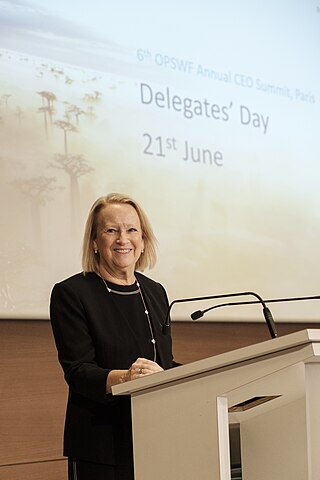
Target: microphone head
x=196, y=315
x=270, y=322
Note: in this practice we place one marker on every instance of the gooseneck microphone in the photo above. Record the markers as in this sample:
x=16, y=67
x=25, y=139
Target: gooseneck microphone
x=199, y=313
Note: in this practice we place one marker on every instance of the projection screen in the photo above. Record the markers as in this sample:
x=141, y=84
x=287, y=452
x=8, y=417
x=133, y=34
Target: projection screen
x=206, y=112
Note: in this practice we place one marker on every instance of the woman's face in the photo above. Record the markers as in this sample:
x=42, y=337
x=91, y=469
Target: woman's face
x=119, y=240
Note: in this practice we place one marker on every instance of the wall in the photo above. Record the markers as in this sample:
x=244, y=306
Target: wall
x=33, y=392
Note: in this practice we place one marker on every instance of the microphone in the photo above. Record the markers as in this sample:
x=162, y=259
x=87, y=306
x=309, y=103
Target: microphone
x=195, y=315
x=200, y=313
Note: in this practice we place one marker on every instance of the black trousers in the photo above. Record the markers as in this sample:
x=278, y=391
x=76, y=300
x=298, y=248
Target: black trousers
x=80, y=470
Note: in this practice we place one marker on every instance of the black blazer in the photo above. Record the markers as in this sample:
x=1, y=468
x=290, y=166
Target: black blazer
x=91, y=341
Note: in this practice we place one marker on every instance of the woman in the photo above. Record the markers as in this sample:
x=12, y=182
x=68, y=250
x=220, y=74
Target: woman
x=107, y=324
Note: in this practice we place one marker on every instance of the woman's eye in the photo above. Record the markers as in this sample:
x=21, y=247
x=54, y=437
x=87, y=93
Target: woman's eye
x=132, y=229
x=110, y=230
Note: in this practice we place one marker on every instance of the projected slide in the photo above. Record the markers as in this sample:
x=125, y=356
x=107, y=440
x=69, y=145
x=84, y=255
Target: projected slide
x=206, y=112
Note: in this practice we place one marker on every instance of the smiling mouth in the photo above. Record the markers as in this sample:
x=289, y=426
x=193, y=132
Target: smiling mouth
x=122, y=250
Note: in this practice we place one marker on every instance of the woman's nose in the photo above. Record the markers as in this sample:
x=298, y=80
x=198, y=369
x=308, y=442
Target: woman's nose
x=122, y=237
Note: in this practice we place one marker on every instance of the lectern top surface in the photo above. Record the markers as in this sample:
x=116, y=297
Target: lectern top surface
x=276, y=346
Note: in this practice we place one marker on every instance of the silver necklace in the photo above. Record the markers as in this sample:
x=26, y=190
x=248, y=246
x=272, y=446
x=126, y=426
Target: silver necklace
x=153, y=340
x=118, y=292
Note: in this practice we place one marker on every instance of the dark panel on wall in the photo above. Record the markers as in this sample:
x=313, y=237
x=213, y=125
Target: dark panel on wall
x=194, y=341
x=35, y=471
x=33, y=393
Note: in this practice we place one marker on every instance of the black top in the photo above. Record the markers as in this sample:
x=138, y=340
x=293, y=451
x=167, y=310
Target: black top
x=128, y=301
x=95, y=332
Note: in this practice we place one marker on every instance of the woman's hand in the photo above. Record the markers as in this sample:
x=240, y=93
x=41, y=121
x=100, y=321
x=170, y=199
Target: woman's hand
x=140, y=368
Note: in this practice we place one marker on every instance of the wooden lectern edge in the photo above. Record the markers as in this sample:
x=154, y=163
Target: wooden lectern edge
x=269, y=347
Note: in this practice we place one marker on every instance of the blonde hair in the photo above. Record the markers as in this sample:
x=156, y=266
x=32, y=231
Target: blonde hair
x=90, y=260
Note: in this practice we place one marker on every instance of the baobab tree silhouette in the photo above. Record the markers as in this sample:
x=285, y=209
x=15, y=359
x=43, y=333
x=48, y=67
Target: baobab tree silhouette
x=47, y=101
x=45, y=110
x=66, y=127
x=5, y=98
x=36, y=190
x=73, y=110
x=94, y=97
x=19, y=114
x=75, y=166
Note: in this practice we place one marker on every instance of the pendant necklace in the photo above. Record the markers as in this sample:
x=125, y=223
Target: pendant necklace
x=153, y=340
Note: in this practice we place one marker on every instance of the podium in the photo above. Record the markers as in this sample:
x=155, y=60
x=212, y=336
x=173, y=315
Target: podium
x=181, y=416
